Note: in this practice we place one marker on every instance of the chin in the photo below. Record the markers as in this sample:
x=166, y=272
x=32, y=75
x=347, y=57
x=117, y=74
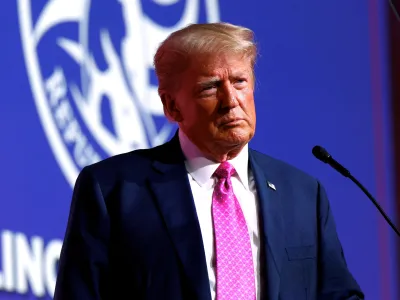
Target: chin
x=237, y=136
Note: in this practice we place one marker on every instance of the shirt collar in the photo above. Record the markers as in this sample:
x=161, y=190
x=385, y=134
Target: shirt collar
x=202, y=169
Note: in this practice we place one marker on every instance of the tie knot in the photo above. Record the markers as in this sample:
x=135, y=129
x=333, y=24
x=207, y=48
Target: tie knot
x=225, y=170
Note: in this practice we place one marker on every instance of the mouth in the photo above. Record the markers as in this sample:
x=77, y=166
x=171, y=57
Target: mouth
x=232, y=122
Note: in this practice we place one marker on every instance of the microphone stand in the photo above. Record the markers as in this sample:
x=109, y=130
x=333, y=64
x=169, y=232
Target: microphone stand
x=396, y=13
x=324, y=156
x=375, y=203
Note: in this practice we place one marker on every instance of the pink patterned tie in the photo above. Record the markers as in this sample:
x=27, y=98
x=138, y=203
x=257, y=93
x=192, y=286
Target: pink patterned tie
x=234, y=261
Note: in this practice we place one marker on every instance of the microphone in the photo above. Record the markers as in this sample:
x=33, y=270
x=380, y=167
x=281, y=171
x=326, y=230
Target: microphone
x=324, y=156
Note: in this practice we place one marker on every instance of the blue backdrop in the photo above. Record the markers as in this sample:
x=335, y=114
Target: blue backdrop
x=77, y=85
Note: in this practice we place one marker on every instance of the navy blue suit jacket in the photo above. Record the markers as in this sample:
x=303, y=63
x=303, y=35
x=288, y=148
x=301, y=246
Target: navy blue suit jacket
x=133, y=233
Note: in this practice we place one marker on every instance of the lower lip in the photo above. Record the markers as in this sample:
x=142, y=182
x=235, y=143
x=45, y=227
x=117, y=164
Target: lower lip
x=233, y=123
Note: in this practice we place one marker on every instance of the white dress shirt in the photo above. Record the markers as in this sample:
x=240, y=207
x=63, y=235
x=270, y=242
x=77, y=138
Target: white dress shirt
x=200, y=171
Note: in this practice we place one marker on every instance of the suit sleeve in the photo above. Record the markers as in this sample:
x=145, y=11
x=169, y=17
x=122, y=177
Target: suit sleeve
x=335, y=279
x=84, y=256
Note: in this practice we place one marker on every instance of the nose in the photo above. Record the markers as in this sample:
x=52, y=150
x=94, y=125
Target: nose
x=228, y=96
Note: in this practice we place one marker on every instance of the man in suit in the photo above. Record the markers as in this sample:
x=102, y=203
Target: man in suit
x=202, y=216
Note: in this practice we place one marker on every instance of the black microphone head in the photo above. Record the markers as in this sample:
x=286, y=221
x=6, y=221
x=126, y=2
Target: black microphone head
x=320, y=153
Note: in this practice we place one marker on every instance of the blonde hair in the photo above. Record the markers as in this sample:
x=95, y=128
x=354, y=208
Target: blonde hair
x=173, y=55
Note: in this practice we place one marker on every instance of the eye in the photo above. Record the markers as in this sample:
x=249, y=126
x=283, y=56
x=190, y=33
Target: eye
x=240, y=82
x=207, y=88
x=206, y=91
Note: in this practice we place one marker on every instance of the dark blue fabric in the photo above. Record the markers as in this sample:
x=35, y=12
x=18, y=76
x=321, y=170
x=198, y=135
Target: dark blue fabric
x=133, y=233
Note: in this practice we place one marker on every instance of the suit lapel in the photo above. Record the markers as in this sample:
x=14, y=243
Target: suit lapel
x=272, y=225
x=171, y=188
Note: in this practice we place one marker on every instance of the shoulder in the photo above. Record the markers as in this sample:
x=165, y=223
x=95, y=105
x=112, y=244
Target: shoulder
x=284, y=172
x=130, y=166
x=298, y=190
x=271, y=164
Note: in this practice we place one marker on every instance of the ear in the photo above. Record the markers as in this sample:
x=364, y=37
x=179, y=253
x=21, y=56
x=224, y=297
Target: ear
x=171, y=110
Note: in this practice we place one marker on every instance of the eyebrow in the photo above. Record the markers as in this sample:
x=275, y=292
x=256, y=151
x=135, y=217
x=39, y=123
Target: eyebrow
x=216, y=80
x=208, y=82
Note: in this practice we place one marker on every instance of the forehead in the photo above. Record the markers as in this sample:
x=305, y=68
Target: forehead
x=220, y=65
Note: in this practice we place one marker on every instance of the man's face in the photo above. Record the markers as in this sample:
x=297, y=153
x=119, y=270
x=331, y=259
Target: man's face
x=215, y=102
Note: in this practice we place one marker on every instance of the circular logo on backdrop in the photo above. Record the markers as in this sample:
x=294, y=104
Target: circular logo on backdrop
x=90, y=66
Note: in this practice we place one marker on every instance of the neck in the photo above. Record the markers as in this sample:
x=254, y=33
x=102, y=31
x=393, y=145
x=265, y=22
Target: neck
x=216, y=153
x=221, y=155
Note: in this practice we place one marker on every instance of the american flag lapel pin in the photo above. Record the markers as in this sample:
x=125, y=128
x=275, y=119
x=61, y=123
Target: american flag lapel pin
x=271, y=185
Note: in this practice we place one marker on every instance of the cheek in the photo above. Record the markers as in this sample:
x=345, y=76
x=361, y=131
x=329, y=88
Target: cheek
x=188, y=112
x=247, y=101
x=199, y=112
